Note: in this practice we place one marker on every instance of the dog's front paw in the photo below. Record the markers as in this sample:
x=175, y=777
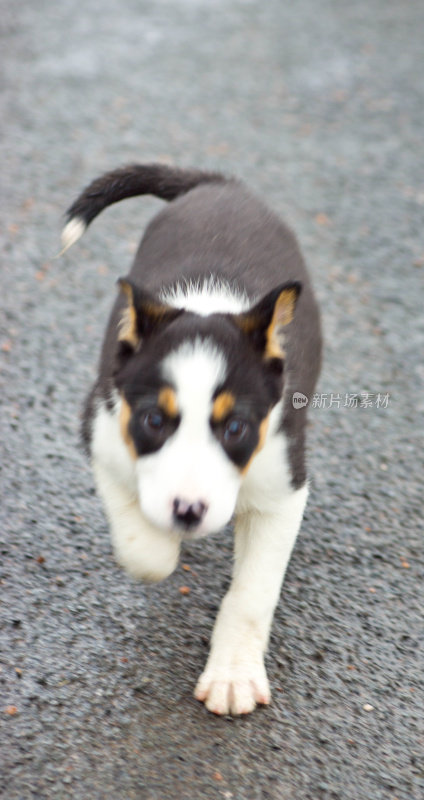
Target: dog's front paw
x=235, y=689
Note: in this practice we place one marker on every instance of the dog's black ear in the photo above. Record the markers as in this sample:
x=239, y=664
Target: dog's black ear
x=142, y=315
x=264, y=323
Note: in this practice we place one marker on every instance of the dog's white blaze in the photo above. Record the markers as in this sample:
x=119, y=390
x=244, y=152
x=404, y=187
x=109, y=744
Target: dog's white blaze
x=191, y=466
x=209, y=296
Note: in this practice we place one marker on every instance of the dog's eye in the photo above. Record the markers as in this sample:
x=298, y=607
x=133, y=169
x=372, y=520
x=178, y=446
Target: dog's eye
x=153, y=420
x=235, y=430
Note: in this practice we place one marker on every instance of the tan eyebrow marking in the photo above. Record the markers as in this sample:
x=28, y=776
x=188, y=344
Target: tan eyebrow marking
x=222, y=406
x=167, y=401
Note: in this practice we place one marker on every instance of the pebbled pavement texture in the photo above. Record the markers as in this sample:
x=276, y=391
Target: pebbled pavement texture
x=319, y=106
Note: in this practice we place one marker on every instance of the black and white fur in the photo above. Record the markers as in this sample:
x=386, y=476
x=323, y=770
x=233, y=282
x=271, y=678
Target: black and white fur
x=190, y=423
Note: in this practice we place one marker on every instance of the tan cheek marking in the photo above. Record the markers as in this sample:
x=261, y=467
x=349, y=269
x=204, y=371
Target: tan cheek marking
x=124, y=421
x=167, y=401
x=263, y=430
x=222, y=406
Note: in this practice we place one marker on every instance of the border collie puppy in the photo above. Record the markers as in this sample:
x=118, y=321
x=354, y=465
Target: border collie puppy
x=193, y=422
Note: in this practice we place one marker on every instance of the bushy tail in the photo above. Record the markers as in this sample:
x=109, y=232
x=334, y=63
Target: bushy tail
x=160, y=180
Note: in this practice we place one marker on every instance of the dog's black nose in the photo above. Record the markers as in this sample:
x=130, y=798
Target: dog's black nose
x=188, y=515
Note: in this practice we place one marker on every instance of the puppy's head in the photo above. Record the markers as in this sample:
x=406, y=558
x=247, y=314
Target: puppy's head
x=196, y=394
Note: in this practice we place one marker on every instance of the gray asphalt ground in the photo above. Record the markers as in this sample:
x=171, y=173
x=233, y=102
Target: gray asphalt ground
x=319, y=106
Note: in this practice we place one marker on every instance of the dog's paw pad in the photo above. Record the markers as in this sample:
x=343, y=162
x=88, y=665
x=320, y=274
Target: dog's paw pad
x=233, y=691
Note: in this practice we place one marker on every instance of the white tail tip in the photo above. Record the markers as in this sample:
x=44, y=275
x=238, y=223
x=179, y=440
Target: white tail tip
x=71, y=233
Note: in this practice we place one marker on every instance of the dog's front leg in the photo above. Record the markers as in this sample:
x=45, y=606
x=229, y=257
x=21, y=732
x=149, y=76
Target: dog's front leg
x=234, y=679
x=145, y=551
